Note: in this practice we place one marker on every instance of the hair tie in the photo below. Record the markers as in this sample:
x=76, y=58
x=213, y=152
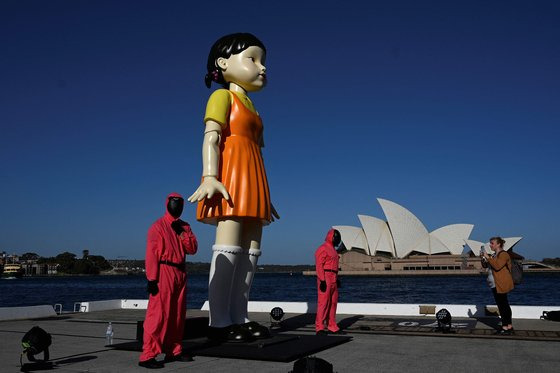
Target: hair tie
x=211, y=76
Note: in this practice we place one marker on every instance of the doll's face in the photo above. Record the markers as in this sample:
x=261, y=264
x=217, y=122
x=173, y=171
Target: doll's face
x=245, y=69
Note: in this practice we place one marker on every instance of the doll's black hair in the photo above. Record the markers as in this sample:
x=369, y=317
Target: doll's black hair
x=225, y=47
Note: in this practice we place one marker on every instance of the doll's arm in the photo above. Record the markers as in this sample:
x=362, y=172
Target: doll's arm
x=210, y=160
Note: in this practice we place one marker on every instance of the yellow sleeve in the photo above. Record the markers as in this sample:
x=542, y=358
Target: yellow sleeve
x=218, y=106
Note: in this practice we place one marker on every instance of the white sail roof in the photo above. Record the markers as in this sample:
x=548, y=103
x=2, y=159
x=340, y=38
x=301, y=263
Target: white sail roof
x=453, y=237
x=378, y=235
x=511, y=242
x=476, y=245
x=403, y=233
x=353, y=237
x=409, y=234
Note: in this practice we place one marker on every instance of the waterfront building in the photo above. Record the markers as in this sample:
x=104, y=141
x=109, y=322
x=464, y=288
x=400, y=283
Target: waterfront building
x=402, y=243
x=32, y=268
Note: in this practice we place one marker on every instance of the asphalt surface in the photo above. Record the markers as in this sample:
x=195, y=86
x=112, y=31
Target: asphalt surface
x=379, y=344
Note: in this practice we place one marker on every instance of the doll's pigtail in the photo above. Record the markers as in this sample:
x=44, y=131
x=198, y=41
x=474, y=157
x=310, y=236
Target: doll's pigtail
x=212, y=76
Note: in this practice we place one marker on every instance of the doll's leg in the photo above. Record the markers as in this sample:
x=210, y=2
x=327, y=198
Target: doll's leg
x=243, y=278
x=226, y=253
x=245, y=270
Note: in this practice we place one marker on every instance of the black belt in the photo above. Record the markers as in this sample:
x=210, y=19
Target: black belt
x=180, y=266
x=330, y=270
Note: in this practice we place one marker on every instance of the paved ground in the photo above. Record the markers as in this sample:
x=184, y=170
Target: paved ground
x=381, y=344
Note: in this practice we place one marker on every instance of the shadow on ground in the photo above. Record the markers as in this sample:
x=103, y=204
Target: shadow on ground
x=308, y=320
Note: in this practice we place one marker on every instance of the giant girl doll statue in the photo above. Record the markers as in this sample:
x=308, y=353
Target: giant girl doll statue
x=234, y=193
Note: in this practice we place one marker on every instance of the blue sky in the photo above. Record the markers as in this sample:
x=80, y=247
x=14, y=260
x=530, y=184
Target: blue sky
x=450, y=109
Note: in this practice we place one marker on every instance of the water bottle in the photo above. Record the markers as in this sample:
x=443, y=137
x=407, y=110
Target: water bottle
x=109, y=334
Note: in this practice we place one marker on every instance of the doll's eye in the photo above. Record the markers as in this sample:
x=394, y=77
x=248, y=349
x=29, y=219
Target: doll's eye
x=252, y=59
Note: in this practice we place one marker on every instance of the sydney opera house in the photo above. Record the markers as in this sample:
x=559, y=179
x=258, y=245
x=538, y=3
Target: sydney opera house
x=402, y=243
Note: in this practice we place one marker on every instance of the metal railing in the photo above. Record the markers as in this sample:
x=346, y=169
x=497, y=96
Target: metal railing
x=58, y=308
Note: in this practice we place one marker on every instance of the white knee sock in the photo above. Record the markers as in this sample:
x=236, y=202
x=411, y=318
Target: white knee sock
x=241, y=285
x=222, y=269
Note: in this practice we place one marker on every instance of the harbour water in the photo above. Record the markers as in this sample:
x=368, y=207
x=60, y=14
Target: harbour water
x=537, y=289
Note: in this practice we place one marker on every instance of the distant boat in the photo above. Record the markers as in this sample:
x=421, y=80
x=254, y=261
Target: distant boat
x=12, y=271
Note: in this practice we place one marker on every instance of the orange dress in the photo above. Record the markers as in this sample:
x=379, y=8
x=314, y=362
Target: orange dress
x=241, y=171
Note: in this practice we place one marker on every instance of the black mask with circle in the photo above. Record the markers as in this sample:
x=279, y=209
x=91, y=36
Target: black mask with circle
x=336, y=238
x=175, y=206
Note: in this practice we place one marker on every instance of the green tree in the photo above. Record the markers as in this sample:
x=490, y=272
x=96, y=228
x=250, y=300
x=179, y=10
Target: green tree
x=85, y=267
x=100, y=262
x=47, y=260
x=29, y=256
x=70, y=264
x=66, y=262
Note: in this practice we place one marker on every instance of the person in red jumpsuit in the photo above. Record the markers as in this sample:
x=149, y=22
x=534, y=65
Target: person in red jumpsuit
x=326, y=266
x=169, y=240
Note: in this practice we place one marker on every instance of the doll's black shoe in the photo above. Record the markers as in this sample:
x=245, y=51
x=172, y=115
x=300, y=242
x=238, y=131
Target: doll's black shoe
x=237, y=333
x=232, y=333
x=322, y=332
x=151, y=364
x=257, y=330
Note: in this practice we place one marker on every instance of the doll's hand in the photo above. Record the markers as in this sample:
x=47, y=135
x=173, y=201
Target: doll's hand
x=274, y=214
x=210, y=185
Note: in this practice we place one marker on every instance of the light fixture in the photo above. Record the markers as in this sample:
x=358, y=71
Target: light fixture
x=276, y=315
x=312, y=364
x=443, y=318
x=35, y=341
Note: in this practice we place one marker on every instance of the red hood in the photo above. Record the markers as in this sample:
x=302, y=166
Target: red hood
x=330, y=235
x=167, y=214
